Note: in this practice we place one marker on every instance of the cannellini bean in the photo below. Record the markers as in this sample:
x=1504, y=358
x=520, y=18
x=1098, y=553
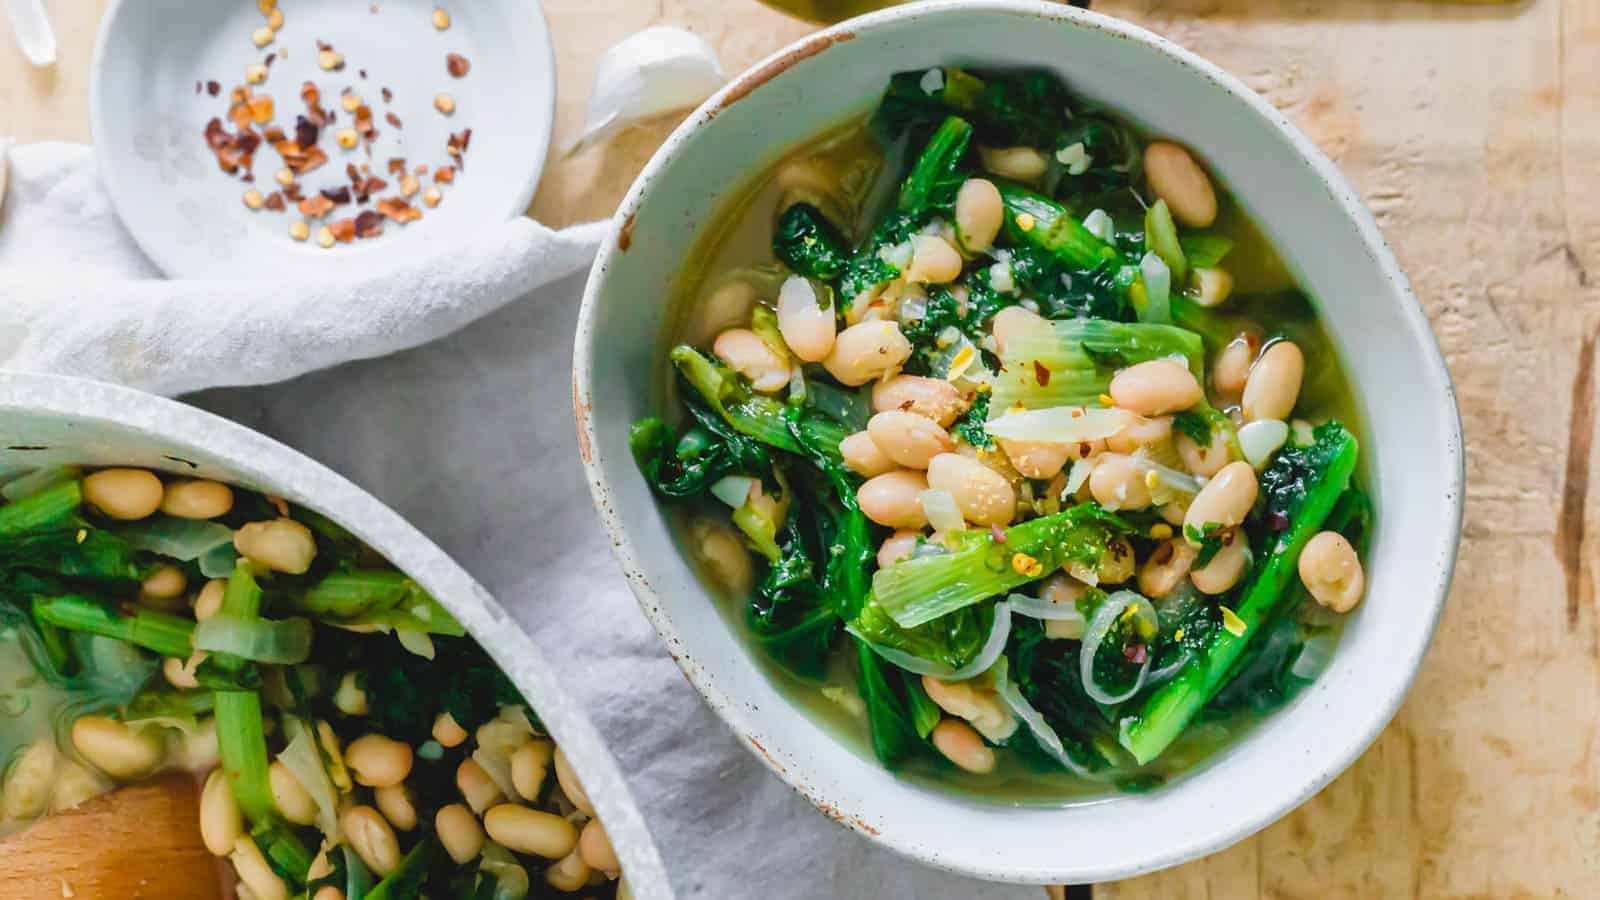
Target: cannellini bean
x=963, y=746
x=1016, y=163
x=1208, y=460
x=397, y=805
x=1166, y=567
x=1274, y=383
x=369, y=834
x=530, y=764
x=255, y=872
x=164, y=587
x=220, y=821
x=1062, y=590
x=1039, y=459
x=908, y=439
x=447, y=731
x=897, y=546
x=595, y=845
x=459, y=832
x=979, y=214
x=1142, y=434
x=569, y=874
x=328, y=891
x=26, y=794
x=1232, y=367
x=1213, y=287
x=863, y=456
x=567, y=778
x=530, y=831
x=1118, y=483
x=197, y=499
x=983, y=495
x=125, y=494
x=1226, y=568
x=209, y=601
x=290, y=796
x=865, y=351
x=933, y=260
x=1332, y=572
x=378, y=761
x=1013, y=321
x=282, y=545
x=746, y=353
x=982, y=707
x=807, y=328
x=74, y=784
x=1225, y=500
x=723, y=554
x=894, y=499
x=117, y=750
x=1155, y=388
x=935, y=398
x=197, y=750
x=349, y=697
x=728, y=305
x=1176, y=178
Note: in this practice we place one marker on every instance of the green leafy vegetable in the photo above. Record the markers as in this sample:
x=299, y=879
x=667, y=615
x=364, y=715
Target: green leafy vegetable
x=808, y=244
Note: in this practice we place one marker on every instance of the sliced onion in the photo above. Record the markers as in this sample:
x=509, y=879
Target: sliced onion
x=498, y=768
x=1100, y=224
x=1076, y=476
x=999, y=633
x=1040, y=608
x=416, y=641
x=180, y=539
x=1163, y=674
x=1042, y=732
x=1059, y=424
x=1099, y=627
x=941, y=510
x=733, y=489
x=913, y=308
x=276, y=641
x=1158, y=288
x=1314, y=658
x=301, y=758
x=1260, y=439
x=1169, y=485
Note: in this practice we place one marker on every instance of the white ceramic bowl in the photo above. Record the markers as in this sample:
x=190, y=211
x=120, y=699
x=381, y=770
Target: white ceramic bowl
x=148, y=121
x=50, y=420
x=1414, y=456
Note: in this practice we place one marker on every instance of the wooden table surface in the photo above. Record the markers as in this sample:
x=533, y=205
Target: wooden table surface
x=1473, y=131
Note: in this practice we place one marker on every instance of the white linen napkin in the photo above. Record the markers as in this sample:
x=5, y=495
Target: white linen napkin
x=78, y=298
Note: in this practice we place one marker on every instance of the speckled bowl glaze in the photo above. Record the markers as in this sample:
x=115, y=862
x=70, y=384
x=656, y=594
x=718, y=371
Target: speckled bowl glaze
x=1413, y=457
x=51, y=420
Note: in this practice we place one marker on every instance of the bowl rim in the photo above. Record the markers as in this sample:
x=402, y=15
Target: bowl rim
x=1344, y=195
x=258, y=457
x=171, y=263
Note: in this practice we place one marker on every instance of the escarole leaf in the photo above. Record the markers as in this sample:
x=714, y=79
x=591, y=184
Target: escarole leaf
x=920, y=590
x=303, y=759
x=1071, y=362
x=180, y=539
x=382, y=598
x=273, y=641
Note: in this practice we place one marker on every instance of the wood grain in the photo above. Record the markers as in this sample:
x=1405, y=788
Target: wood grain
x=139, y=843
x=1473, y=131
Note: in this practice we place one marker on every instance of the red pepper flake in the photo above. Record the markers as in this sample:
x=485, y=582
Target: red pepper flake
x=300, y=158
x=339, y=196
x=233, y=151
x=313, y=100
x=198, y=87
x=1135, y=653
x=344, y=230
x=369, y=224
x=457, y=145
x=392, y=119
x=275, y=202
x=397, y=165
x=272, y=134
x=1042, y=373
x=1277, y=521
x=457, y=65
x=364, y=123
x=271, y=57
x=293, y=193
x=420, y=170
x=998, y=533
x=387, y=94
x=213, y=88
x=444, y=175
x=398, y=210
x=316, y=206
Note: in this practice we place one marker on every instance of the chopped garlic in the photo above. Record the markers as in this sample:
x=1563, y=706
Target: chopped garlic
x=932, y=81
x=1075, y=158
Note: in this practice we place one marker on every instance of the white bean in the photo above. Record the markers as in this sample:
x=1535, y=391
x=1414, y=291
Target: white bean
x=1039, y=459
x=369, y=834
x=1016, y=163
x=935, y=398
x=447, y=731
x=349, y=697
x=221, y=824
x=530, y=831
x=1225, y=500
x=963, y=746
x=746, y=353
x=1014, y=321
x=1156, y=387
x=116, y=749
x=1208, y=460
x=979, y=214
x=1062, y=590
x=290, y=796
x=1331, y=571
x=569, y=874
x=459, y=832
x=865, y=351
x=209, y=601
x=1226, y=568
x=1176, y=178
x=1213, y=287
x=378, y=761
x=255, y=872
x=125, y=494
x=530, y=764
x=807, y=328
x=983, y=495
x=1166, y=567
x=164, y=587
x=26, y=792
x=723, y=554
x=863, y=456
x=397, y=805
x=1232, y=367
x=1118, y=483
x=595, y=845
x=933, y=261
x=1142, y=433
x=328, y=892
x=197, y=499
x=908, y=439
x=567, y=778
x=979, y=705
x=1274, y=383
x=894, y=499
x=74, y=784
x=897, y=547
x=282, y=545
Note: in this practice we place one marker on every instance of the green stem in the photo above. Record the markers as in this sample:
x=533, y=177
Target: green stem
x=405, y=882
x=48, y=508
x=165, y=634
x=1051, y=228
x=242, y=744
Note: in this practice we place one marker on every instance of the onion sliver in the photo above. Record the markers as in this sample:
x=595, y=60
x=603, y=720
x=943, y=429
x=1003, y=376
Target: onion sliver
x=992, y=649
x=1060, y=424
x=1161, y=675
x=1158, y=288
x=1314, y=657
x=1042, y=732
x=733, y=489
x=1039, y=608
x=1099, y=627
x=942, y=512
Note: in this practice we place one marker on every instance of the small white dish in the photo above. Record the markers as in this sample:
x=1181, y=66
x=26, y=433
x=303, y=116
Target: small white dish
x=148, y=108
x=1412, y=455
